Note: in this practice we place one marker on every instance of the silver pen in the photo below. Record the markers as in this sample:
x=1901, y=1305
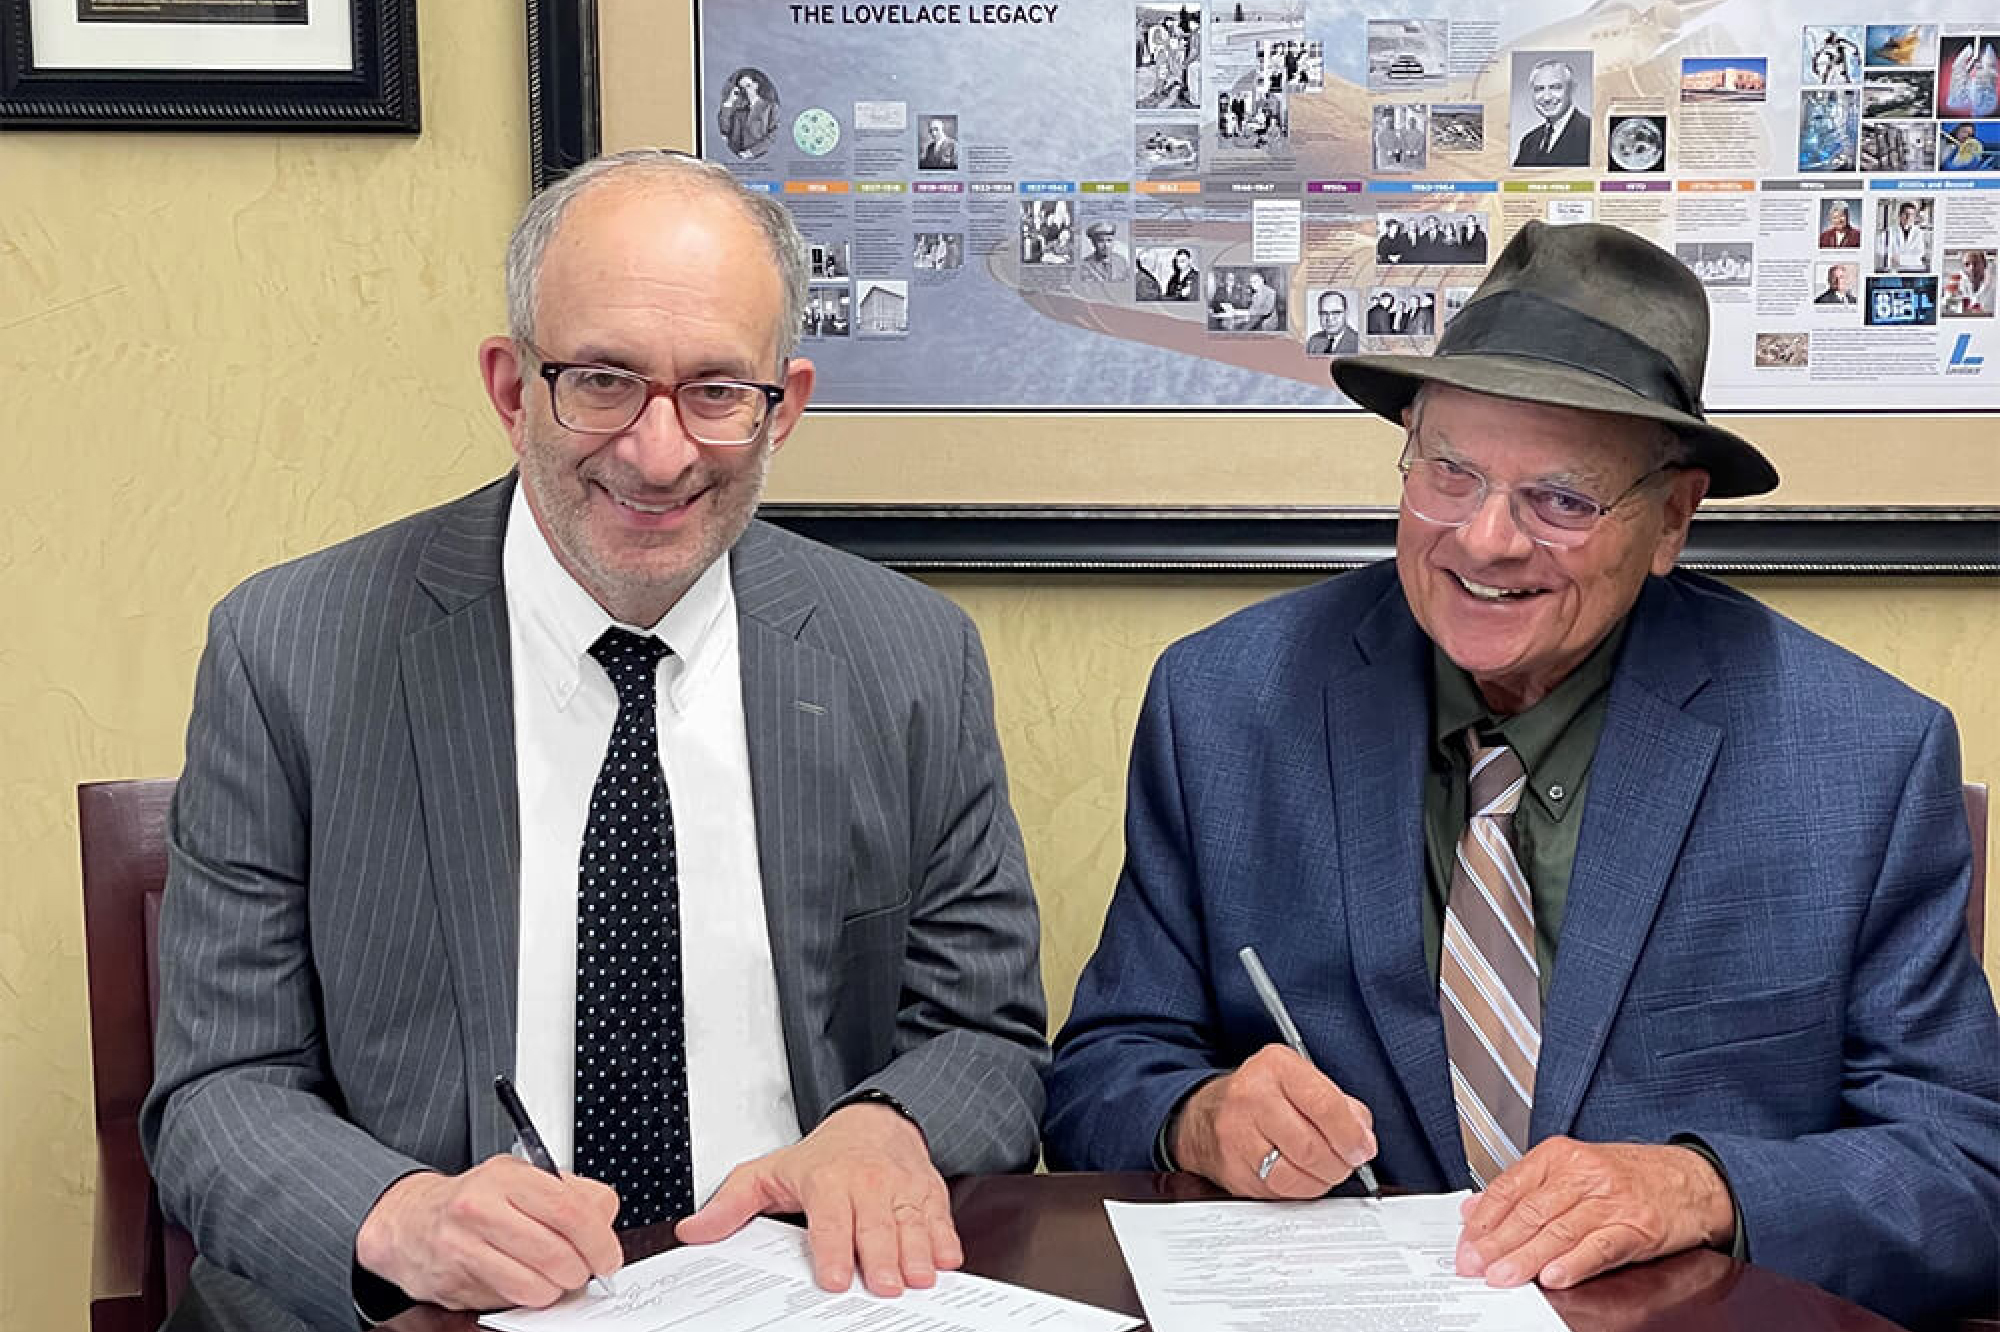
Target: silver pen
x=1274, y=1004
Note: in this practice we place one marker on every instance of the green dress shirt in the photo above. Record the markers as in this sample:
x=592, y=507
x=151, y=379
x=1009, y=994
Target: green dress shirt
x=1554, y=740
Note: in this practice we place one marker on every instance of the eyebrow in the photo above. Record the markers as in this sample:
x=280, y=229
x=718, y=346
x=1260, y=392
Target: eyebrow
x=1579, y=482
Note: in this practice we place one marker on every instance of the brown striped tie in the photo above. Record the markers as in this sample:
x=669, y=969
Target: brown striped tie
x=1487, y=976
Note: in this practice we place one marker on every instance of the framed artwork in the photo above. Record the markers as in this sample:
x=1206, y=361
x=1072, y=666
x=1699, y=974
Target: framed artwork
x=320, y=65
x=1203, y=484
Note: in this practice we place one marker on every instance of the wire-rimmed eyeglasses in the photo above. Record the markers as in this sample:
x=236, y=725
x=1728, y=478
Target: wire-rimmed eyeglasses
x=594, y=399
x=1451, y=494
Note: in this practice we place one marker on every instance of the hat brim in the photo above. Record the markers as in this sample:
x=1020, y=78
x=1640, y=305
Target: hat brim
x=1386, y=384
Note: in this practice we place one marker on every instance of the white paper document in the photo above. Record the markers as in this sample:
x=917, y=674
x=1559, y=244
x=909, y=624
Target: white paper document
x=761, y=1278
x=1290, y=1267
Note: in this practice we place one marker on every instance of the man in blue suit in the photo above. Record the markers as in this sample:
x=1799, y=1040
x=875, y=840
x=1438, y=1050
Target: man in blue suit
x=1593, y=884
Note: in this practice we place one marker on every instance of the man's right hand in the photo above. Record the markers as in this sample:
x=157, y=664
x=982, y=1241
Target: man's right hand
x=1276, y=1099
x=503, y=1233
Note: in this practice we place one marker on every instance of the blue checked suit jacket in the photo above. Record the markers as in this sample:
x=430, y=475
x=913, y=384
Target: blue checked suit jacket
x=338, y=941
x=1764, y=943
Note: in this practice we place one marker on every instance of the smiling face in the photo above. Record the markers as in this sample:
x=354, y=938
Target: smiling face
x=1549, y=89
x=674, y=283
x=1332, y=312
x=1515, y=615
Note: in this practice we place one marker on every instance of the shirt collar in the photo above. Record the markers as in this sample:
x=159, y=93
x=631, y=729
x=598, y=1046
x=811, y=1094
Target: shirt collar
x=558, y=620
x=1542, y=737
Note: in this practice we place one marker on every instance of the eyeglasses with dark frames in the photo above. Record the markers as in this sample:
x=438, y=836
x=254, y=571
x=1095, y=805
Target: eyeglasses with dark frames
x=1450, y=494
x=594, y=399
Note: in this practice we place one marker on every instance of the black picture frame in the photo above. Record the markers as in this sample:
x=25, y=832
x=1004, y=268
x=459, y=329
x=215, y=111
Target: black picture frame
x=565, y=130
x=378, y=93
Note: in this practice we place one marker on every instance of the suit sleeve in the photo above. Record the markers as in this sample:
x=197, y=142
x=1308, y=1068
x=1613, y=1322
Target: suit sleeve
x=1887, y=1190
x=1141, y=1031
x=970, y=1033
x=242, y=1127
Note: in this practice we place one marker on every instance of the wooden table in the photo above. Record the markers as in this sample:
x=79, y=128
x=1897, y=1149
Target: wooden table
x=1050, y=1232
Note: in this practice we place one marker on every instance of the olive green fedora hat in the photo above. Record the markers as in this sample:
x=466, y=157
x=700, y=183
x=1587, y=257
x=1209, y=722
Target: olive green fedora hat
x=1583, y=315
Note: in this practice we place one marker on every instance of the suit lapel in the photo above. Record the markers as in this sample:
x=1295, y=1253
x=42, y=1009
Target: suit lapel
x=1378, y=723
x=458, y=690
x=1652, y=763
x=794, y=714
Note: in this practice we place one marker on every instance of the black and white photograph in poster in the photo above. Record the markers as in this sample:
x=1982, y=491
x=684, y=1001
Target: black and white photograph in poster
x=828, y=259
x=1333, y=313
x=1106, y=257
x=1407, y=53
x=1430, y=238
x=1048, y=233
x=1725, y=263
x=1253, y=115
x=1457, y=128
x=1167, y=273
x=1906, y=94
x=1636, y=143
x=881, y=308
x=1167, y=57
x=1244, y=298
x=938, y=150
x=1399, y=139
x=1401, y=312
x=1898, y=145
x=1550, y=120
x=748, y=116
x=827, y=310
x=938, y=251
x=1297, y=64
x=1832, y=54
x=1168, y=150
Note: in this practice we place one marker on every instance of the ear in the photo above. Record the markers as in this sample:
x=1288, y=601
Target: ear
x=799, y=375
x=1684, y=494
x=501, y=369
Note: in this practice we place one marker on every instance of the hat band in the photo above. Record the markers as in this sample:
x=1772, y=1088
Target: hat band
x=1535, y=328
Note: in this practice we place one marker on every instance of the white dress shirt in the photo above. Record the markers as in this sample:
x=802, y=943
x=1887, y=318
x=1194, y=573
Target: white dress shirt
x=740, y=1092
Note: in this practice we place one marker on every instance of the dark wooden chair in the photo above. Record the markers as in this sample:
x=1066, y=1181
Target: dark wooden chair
x=139, y=1263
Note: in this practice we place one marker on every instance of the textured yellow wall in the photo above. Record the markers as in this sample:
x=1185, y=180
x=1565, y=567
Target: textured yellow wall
x=222, y=351
x=218, y=351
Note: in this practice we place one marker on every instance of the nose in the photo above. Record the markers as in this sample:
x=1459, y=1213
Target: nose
x=1494, y=531
x=656, y=445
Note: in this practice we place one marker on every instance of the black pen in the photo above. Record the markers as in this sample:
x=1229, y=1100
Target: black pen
x=532, y=1144
x=1274, y=1004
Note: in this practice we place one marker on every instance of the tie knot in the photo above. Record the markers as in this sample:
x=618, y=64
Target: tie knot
x=1495, y=782
x=629, y=659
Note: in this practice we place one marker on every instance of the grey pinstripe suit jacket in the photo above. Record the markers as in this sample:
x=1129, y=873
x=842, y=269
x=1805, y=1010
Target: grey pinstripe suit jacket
x=338, y=942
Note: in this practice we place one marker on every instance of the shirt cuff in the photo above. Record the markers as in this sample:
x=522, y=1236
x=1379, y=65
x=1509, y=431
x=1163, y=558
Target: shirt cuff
x=1739, y=1245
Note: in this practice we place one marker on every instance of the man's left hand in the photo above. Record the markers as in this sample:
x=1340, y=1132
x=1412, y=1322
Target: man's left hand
x=871, y=1196
x=1569, y=1210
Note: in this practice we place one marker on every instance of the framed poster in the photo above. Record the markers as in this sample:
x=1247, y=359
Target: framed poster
x=209, y=65
x=1020, y=369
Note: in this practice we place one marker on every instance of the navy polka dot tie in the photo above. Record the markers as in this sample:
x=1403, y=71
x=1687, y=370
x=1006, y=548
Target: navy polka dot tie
x=631, y=1051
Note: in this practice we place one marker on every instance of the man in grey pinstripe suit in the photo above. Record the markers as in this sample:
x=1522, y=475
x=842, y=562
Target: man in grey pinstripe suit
x=372, y=895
